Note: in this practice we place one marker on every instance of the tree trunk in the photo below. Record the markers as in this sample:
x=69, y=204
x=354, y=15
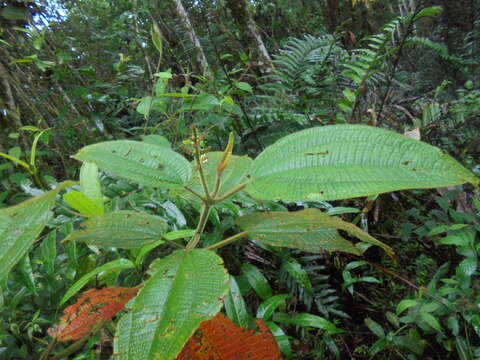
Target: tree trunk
x=9, y=99
x=182, y=14
x=243, y=17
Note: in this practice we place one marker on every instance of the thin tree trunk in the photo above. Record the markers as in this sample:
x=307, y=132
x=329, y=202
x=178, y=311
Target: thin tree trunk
x=10, y=100
x=137, y=32
x=201, y=58
x=244, y=18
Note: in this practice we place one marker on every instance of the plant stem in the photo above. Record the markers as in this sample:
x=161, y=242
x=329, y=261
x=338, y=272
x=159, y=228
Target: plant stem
x=206, y=207
x=48, y=350
x=71, y=349
x=227, y=241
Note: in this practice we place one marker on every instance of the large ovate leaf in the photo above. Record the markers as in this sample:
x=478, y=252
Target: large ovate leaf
x=158, y=140
x=93, y=307
x=123, y=229
x=232, y=175
x=141, y=162
x=307, y=230
x=21, y=224
x=186, y=288
x=220, y=339
x=345, y=161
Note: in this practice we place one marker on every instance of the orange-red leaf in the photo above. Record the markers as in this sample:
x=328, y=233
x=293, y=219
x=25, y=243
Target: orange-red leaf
x=220, y=339
x=92, y=307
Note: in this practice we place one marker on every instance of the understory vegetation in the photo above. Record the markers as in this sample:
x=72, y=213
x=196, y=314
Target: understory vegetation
x=240, y=179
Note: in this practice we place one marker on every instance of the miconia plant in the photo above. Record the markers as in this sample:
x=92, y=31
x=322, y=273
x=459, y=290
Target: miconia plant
x=188, y=286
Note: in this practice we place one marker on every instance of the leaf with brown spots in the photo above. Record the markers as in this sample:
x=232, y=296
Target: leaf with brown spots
x=93, y=307
x=220, y=339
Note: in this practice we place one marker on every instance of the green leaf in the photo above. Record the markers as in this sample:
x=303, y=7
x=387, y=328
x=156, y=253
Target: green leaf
x=48, y=249
x=235, y=306
x=156, y=35
x=243, y=86
x=298, y=273
x=15, y=13
x=158, y=140
x=146, y=164
x=375, y=327
x=266, y=308
x=202, y=102
x=172, y=235
x=145, y=250
x=145, y=105
x=16, y=160
x=379, y=345
x=123, y=229
x=33, y=151
x=460, y=238
x=316, y=322
x=281, y=338
x=179, y=234
x=428, y=12
x=90, y=184
x=307, y=230
x=26, y=274
x=232, y=176
x=187, y=287
x=115, y=265
x=468, y=266
x=430, y=320
x=21, y=224
x=412, y=341
x=257, y=281
x=445, y=228
x=404, y=305
x=82, y=203
x=30, y=128
x=344, y=161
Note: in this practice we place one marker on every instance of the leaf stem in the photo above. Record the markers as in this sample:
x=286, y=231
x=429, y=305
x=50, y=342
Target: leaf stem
x=71, y=349
x=206, y=207
x=194, y=193
x=174, y=244
x=230, y=193
x=227, y=241
x=218, y=179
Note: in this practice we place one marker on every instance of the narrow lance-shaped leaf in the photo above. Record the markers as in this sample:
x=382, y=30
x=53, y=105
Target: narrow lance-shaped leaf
x=21, y=224
x=345, y=161
x=307, y=230
x=114, y=265
x=235, y=306
x=186, y=288
x=123, y=229
x=141, y=162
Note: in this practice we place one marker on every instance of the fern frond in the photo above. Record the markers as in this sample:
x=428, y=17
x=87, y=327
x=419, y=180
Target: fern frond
x=439, y=49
